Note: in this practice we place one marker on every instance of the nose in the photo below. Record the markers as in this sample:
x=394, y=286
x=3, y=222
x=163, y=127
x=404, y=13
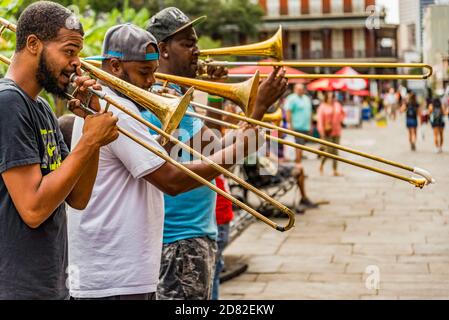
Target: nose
x=150, y=80
x=75, y=63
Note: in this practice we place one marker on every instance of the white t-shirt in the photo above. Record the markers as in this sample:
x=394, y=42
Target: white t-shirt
x=115, y=243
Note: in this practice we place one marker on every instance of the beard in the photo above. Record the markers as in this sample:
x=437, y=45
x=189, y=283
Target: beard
x=46, y=78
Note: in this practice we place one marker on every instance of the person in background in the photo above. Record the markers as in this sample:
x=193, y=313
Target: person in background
x=299, y=118
x=298, y=106
x=330, y=116
x=391, y=103
x=411, y=108
x=437, y=112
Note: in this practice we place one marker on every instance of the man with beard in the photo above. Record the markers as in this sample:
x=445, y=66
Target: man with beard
x=115, y=243
x=37, y=173
x=190, y=230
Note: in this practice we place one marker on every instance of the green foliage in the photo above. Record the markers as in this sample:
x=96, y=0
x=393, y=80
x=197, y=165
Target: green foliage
x=226, y=19
x=205, y=42
x=8, y=10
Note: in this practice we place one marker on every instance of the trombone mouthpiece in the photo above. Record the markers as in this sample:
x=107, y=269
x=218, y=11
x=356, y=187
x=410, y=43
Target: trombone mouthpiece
x=73, y=77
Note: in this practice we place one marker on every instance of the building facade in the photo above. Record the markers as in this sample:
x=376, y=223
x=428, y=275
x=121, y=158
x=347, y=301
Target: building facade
x=331, y=30
x=436, y=43
x=410, y=38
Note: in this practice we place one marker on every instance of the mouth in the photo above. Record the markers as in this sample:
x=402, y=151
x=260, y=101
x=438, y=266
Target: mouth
x=65, y=75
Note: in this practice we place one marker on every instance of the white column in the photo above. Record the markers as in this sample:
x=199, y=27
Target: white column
x=316, y=7
x=294, y=7
x=359, y=42
x=337, y=44
x=337, y=6
x=358, y=6
x=273, y=8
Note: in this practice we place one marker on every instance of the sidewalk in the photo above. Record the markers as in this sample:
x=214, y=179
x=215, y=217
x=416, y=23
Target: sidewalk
x=375, y=228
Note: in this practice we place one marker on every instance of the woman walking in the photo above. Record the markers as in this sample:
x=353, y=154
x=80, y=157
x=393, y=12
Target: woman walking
x=330, y=115
x=411, y=108
x=437, y=112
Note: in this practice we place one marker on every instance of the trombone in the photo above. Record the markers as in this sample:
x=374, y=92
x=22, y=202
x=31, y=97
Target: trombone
x=228, y=91
x=417, y=182
x=235, y=95
x=145, y=101
x=273, y=48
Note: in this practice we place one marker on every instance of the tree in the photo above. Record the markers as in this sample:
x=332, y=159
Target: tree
x=227, y=20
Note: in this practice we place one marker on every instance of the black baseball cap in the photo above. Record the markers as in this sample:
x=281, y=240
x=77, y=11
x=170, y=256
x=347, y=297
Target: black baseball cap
x=170, y=21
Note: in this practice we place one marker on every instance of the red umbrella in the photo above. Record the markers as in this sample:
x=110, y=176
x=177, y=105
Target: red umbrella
x=350, y=84
x=266, y=70
x=321, y=85
x=361, y=93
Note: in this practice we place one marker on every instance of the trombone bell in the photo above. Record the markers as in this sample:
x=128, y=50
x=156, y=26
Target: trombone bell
x=269, y=48
x=243, y=94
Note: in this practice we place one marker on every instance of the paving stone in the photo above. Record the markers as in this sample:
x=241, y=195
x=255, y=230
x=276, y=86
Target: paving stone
x=384, y=249
x=372, y=220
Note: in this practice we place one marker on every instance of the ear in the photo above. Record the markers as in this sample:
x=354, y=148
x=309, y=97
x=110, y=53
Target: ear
x=163, y=50
x=33, y=44
x=116, y=66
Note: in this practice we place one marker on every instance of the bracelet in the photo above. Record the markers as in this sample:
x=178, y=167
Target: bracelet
x=211, y=98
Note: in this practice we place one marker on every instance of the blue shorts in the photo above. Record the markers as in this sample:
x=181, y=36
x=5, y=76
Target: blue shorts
x=412, y=122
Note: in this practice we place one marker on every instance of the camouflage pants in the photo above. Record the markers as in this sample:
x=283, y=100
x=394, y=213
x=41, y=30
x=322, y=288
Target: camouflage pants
x=187, y=269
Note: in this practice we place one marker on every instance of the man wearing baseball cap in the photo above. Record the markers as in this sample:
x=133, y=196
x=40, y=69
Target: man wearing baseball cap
x=115, y=243
x=190, y=230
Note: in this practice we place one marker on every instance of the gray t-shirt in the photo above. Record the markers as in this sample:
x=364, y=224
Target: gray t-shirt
x=33, y=262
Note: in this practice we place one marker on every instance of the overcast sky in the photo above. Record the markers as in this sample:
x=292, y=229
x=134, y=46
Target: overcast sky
x=393, y=9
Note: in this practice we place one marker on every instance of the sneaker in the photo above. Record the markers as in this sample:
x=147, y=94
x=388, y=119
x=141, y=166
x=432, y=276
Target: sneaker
x=308, y=204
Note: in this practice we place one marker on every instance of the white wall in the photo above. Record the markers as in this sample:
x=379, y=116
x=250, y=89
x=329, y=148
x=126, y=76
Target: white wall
x=436, y=27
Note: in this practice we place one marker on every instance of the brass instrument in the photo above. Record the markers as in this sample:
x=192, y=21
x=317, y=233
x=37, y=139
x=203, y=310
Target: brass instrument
x=269, y=48
x=273, y=48
x=417, y=182
x=275, y=117
x=243, y=94
x=162, y=107
x=169, y=112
